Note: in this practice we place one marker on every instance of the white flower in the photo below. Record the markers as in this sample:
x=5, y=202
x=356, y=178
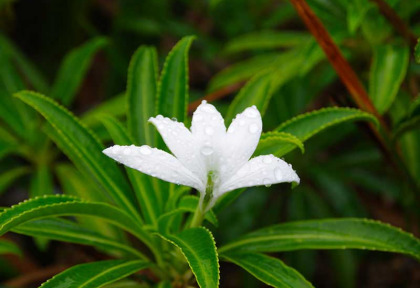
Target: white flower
x=208, y=158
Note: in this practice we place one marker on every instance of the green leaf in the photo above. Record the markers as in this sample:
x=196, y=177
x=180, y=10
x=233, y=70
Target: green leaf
x=244, y=70
x=142, y=184
x=256, y=92
x=347, y=233
x=199, y=248
x=41, y=182
x=172, y=96
x=278, y=144
x=8, y=177
x=141, y=94
x=388, y=70
x=95, y=274
x=269, y=270
x=7, y=247
x=73, y=70
x=60, y=205
x=266, y=40
x=68, y=231
x=306, y=125
x=83, y=148
x=417, y=51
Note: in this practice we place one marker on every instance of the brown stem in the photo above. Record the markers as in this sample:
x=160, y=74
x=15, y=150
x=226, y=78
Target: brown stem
x=396, y=21
x=218, y=94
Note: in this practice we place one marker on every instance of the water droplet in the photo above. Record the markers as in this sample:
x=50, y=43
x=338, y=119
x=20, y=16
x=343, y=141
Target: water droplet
x=253, y=128
x=209, y=130
x=145, y=150
x=242, y=122
x=127, y=151
x=206, y=150
x=278, y=174
x=115, y=149
x=161, y=127
x=174, y=119
x=267, y=182
x=204, y=102
x=159, y=117
x=251, y=112
x=267, y=160
x=231, y=130
x=214, y=118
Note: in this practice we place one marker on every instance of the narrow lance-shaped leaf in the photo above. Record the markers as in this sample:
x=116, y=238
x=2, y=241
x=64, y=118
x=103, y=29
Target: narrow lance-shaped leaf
x=327, y=234
x=388, y=70
x=68, y=231
x=269, y=270
x=95, y=274
x=73, y=69
x=142, y=183
x=60, y=205
x=198, y=247
x=306, y=125
x=83, y=148
x=141, y=94
x=172, y=96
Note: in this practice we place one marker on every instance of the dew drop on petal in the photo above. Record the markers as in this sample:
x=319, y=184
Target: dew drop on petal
x=209, y=131
x=267, y=182
x=145, y=150
x=253, y=128
x=278, y=174
x=251, y=112
x=209, y=109
x=206, y=150
x=174, y=119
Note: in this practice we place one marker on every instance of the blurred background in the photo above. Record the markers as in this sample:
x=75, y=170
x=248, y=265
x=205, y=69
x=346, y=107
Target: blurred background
x=345, y=171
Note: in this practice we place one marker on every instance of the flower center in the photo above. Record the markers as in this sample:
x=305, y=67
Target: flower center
x=211, y=175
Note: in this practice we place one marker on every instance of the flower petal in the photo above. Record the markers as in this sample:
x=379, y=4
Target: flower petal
x=209, y=131
x=156, y=163
x=241, y=141
x=261, y=170
x=181, y=143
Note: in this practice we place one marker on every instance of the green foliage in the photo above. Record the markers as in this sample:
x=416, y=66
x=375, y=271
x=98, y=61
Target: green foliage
x=388, y=71
x=269, y=270
x=141, y=94
x=73, y=70
x=172, y=95
x=96, y=274
x=327, y=234
x=199, y=248
x=7, y=247
x=307, y=125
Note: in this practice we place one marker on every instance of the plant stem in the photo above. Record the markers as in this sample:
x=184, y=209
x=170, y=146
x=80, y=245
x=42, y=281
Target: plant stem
x=197, y=218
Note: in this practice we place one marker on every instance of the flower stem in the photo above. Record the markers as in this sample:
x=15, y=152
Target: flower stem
x=197, y=218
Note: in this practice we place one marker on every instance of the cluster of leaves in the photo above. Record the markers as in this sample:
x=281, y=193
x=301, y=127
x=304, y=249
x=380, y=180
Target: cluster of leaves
x=101, y=204
x=158, y=214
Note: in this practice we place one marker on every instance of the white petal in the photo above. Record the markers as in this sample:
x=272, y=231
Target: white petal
x=261, y=170
x=207, y=122
x=209, y=131
x=181, y=143
x=241, y=141
x=156, y=163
